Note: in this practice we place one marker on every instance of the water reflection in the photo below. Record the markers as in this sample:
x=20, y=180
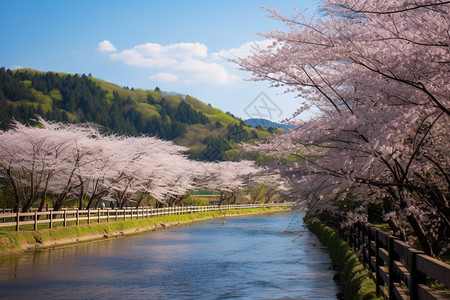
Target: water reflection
x=248, y=257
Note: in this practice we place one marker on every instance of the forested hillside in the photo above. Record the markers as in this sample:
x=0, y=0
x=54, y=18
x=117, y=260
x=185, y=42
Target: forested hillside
x=209, y=133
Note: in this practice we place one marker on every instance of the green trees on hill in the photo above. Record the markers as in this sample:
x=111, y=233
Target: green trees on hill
x=188, y=115
x=237, y=133
x=217, y=147
x=75, y=98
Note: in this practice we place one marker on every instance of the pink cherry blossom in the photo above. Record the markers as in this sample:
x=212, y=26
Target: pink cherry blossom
x=379, y=73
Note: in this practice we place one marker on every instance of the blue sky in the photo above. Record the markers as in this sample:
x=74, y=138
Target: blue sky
x=175, y=45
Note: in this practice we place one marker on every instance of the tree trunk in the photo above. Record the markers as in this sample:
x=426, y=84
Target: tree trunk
x=16, y=192
x=395, y=228
x=61, y=199
x=81, y=197
x=418, y=230
x=141, y=197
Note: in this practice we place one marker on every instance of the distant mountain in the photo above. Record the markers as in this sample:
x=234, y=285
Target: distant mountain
x=267, y=124
x=209, y=133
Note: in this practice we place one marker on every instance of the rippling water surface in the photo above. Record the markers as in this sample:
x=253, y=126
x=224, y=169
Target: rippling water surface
x=247, y=258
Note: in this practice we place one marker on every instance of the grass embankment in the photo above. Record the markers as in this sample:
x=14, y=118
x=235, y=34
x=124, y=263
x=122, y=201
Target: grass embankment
x=354, y=280
x=12, y=242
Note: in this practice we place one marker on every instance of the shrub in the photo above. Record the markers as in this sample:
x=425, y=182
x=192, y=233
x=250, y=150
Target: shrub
x=354, y=280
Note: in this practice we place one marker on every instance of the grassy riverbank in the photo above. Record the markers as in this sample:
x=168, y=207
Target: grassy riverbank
x=354, y=280
x=12, y=243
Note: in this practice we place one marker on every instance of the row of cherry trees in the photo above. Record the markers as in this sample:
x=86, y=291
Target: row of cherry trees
x=67, y=161
x=378, y=74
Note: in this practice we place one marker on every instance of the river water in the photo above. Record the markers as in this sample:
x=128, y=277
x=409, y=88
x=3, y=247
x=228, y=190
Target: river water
x=258, y=257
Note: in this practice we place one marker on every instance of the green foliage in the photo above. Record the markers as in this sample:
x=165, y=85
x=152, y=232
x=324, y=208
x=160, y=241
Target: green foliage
x=215, y=149
x=350, y=202
x=187, y=114
x=262, y=160
x=44, y=101
x=27, y=83
x=204, y=108
x=237, y=133
x=290, y=159
x=354, y=280
x=6, y=200
x=191, y=200
x=222, y=117
x=232, y=155
x=137, y=95
x=258, y=193
x=148, y=111
x=55, y=95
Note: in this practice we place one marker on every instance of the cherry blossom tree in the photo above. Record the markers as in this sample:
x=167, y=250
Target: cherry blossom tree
x=93, y=183
x=170, y=178
x=38, y=161
x=229, y=179
x=68, y=161
x=378, y=73
x=268, y=187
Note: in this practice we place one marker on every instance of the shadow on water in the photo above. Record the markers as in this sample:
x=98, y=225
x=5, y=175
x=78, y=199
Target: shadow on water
x=263, y=257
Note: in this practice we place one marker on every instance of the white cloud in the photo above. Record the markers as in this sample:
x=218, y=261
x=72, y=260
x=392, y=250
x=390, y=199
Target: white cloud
x=186, y=50
x=188, y=63
x=155, y=55
x=135, y=57
x=106, y=46
x=242, y=51
x=199, y=71
x=16, y=67
x=165, y=77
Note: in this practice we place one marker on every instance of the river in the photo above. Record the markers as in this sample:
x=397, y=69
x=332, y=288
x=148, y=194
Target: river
x=259, y=257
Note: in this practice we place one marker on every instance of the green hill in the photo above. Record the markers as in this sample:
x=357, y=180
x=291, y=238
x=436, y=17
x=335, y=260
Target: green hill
x=209, y=133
